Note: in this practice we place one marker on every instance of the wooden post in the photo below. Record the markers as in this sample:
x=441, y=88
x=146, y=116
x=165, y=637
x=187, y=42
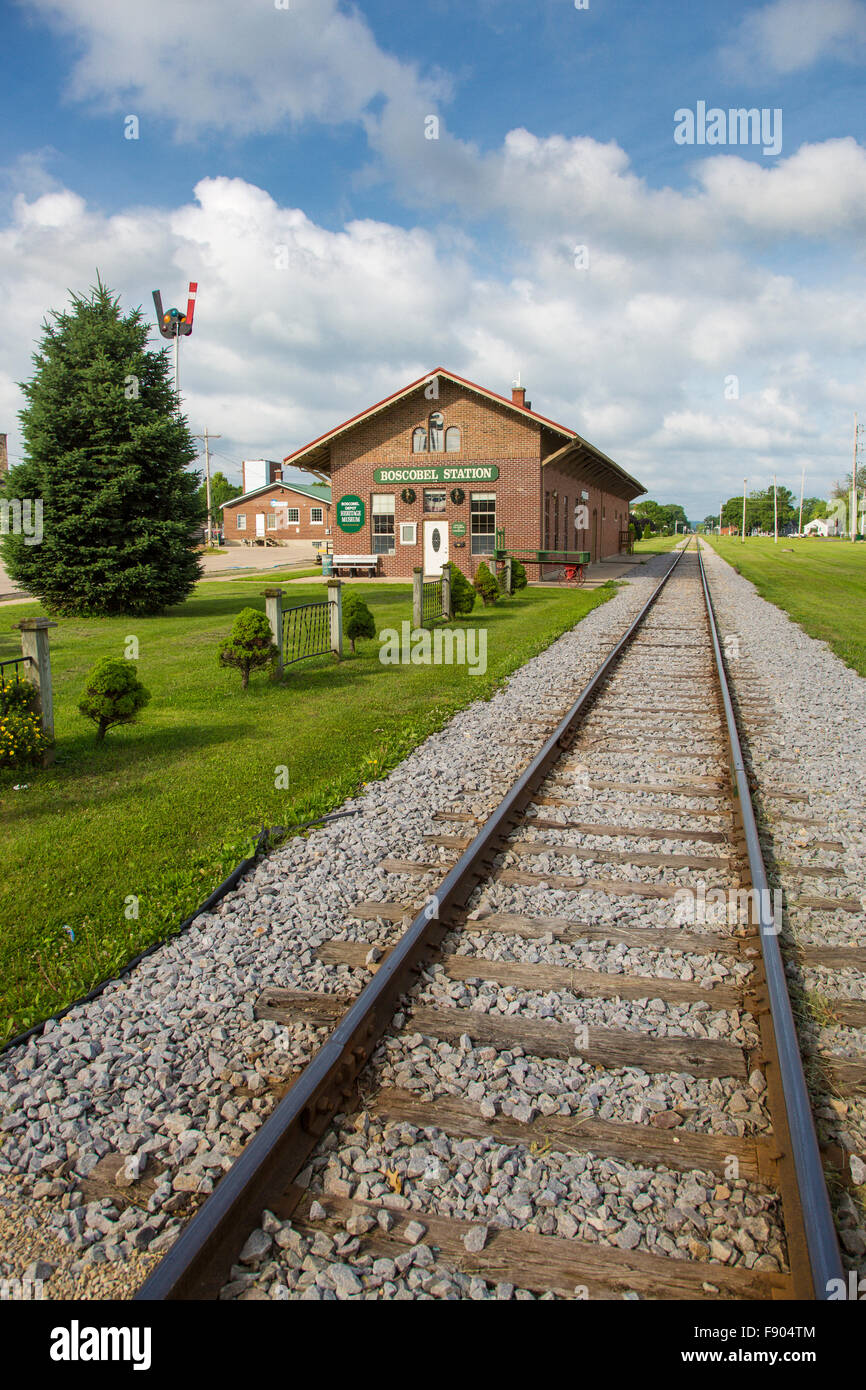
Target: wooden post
x=34, y=644
x=446, y=593
x=509, y=578
x=335, y=601
x=417, y=595
x=274, y=610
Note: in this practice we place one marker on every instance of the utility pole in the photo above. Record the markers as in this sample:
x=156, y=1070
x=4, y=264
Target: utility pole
x=742, y=537
x=207, y=438
x=802, y=489
x=854, y=481
x=721, y=505
x=775, y=515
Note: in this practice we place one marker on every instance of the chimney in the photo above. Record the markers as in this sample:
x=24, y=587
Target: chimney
x=518, y=396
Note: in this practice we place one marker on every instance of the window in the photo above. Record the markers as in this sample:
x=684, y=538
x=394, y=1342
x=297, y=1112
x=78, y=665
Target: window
x=483, y=514
x=419, y=441
x=408, y=533
x=382, y=511
x=556, y=521
x=437, y=429
x=293, y=516
x=434, y=499
x=317, y=516
x=242, y=521
x=565, y=523
x=546, y=545
x=452, y=440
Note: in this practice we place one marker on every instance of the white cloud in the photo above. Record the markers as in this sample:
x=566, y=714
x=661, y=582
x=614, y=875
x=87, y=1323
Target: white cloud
x=633, y=357
x=216, y=64
x=791, y=35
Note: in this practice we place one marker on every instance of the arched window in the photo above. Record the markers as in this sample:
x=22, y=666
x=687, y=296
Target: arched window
x=419, y=440
x=437, y=429
x=452, y=440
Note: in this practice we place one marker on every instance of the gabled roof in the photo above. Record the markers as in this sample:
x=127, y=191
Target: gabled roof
x=317, y=454
x=317, y=492
x=575, y=451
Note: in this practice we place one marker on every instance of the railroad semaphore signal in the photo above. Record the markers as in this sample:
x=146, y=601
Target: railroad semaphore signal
x=174, y=324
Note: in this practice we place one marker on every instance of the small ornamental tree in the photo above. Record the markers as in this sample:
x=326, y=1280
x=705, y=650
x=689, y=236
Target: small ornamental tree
x=358, y=621
x=462, y=593
x=113, y=695
x=518, y=576
x=485, y=584
x=249, y=645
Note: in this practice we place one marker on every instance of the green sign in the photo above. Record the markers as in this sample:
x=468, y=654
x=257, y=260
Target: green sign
x=350, y=513
x=458, y=528
x=439, y=473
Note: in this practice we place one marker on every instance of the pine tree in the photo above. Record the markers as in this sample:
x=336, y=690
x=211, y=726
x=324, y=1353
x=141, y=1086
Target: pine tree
x=518, y=576
x=106, y=455
x=249, y=645
x=113, y=694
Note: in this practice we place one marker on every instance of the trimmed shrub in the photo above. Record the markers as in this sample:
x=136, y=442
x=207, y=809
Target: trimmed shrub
x=485, y=584
x=358, y=621
x=462, y=592
x=518, y=576
x=113, y=695
x=249, y=645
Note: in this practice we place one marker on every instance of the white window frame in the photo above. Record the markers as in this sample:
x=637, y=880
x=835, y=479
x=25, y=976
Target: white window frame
x=382, y=504
x=241, y=520
x=408, y=533
x=317, y=520
x=272, y=521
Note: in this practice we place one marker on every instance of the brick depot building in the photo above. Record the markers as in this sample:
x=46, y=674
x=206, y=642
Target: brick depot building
x=273, y=507
x=431, y=473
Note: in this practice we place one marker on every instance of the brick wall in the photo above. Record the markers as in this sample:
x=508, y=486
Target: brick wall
x=608, y=514
x=304, y=530
x=490, y=433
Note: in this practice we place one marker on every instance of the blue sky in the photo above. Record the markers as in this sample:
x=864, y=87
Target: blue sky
x=303, y=128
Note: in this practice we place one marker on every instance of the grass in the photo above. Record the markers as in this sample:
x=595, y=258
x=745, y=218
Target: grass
x=820, y=584
x=657, y=545
x=118, y=842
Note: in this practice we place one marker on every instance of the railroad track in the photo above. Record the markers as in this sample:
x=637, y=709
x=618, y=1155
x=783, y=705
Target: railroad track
x=604, y=945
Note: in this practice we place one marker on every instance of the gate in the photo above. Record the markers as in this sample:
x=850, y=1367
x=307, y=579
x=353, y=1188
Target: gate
x=307, y=629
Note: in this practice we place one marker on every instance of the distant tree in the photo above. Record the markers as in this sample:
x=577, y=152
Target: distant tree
x=814, y=509
x=250, y=644
x=462, y=592
x=106, y=457
x=113, y=694
x=358, y=621
x=485, y=584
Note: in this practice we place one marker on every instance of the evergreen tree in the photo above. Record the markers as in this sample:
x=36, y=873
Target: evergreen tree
x=113, y=695
x=518, y=576
x=462, y=592
x=358, y=621
x=485, y=584
x=249, y=645
x=106, y=455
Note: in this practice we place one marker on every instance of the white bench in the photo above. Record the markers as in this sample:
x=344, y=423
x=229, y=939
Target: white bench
x=355, y=562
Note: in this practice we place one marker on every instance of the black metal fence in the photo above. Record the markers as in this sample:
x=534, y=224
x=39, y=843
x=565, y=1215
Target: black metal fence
x=306, y=631
x=431, y=601
x=17, y=664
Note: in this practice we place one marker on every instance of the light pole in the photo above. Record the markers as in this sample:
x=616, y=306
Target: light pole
x=802, y=490
x=743, y=536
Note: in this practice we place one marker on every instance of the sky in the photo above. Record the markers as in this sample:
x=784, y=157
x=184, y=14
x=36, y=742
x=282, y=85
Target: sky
x=364, y=192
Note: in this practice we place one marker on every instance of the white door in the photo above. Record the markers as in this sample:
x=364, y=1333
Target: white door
x=260, y=525
x=435, y=547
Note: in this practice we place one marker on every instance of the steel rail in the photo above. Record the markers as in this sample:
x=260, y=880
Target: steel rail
x=198, y=1263
x=817, y=1217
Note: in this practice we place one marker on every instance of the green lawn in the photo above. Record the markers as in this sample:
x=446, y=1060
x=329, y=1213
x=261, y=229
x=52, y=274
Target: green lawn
x=821, y=584
x=166, y=807
x=657, y=545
